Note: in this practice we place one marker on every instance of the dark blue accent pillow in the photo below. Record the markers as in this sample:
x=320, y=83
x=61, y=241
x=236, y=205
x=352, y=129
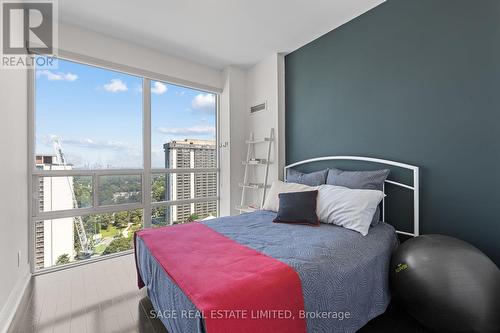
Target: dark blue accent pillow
x=298, y=208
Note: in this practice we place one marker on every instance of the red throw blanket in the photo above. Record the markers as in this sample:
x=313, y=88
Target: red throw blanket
x=237, y=289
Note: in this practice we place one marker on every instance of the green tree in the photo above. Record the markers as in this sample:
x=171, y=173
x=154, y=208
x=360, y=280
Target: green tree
x=121, y=219
x=118, y=245
x=193, y=217
x=119, y=189
x=76, y=241
x=136, y=216
x=158, y=216
x=62, y=259
x=82, y=186
x=158, y=188
x=104, y=220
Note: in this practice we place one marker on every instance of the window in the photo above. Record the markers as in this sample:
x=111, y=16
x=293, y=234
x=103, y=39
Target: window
x=115, y=190
x=97, y=167
x=183, y=123
x=93, y=115
x=183, y=139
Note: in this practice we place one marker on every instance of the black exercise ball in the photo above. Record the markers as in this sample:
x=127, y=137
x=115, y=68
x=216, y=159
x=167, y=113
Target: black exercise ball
x=446, y=284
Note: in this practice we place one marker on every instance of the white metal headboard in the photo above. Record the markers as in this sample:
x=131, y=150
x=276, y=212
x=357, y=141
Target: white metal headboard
x=414, y=187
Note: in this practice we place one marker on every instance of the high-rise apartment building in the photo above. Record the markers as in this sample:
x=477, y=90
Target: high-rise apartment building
x=191, y=154
x=53, y=238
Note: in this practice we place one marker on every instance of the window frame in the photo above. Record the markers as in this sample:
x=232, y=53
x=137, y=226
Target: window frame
x=146, y=172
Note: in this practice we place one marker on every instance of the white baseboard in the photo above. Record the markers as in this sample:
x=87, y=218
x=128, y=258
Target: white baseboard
x=11, y=305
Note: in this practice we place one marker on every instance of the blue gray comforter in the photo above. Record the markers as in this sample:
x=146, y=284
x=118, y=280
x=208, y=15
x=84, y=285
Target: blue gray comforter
x=344, y=275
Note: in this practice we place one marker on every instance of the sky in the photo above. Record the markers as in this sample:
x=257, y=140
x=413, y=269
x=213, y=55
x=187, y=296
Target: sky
x=97, y=116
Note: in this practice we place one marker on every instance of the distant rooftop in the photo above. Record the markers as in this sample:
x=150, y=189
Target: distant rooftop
x=190, y=143
x=45, y=159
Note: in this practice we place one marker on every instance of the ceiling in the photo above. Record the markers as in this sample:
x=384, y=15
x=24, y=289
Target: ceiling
x=217, y=33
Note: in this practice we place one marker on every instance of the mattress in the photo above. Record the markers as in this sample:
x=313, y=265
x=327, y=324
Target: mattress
x=344, y=275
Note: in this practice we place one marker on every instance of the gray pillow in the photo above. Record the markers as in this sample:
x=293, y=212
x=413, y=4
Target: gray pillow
x=311, y=179
x=363, y=180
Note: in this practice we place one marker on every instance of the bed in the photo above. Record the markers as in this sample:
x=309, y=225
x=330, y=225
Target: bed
x=343, y=275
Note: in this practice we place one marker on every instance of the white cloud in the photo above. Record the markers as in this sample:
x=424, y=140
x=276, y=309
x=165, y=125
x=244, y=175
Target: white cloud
x=85, y=143
x=195, y=130
x=158, y=88
x=59, y=76
x=89, y=143
x=204, y=102
x=116, y=85
x=89, y=153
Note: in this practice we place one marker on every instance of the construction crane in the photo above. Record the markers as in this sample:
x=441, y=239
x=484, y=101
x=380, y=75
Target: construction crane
x=86, y=247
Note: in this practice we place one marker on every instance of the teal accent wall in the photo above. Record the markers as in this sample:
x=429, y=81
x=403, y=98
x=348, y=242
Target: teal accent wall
x=415, y=81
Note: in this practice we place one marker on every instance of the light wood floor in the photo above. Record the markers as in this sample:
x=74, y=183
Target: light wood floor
x=103, y=298
x=94, y=298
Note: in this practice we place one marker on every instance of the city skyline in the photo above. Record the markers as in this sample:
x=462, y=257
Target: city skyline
x=62, y=240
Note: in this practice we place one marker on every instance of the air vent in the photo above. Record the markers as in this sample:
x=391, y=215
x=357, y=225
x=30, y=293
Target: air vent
x=258, y=107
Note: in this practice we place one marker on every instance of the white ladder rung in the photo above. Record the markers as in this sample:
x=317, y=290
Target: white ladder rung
x=246, y=209
x=255, y=163
x=253, y=185
x=252, y=142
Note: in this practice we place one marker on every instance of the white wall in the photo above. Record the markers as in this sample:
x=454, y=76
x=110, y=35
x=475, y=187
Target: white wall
x=231, y=130
x=14, y=186
x=224, y=124
x=265, y=83
x=92, y=44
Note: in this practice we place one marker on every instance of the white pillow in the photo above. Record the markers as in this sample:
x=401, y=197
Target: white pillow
x=350, y=208
x=272, y=200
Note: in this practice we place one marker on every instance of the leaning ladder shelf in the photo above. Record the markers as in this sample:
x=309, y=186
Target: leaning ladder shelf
x=254, y=162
